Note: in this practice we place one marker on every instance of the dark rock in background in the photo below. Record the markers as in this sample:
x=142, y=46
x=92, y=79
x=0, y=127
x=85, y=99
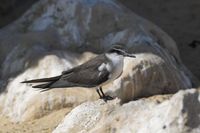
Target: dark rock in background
x=12, y=9
x=178, y=18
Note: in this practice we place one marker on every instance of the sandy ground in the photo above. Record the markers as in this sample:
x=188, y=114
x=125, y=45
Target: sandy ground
x=45, y=124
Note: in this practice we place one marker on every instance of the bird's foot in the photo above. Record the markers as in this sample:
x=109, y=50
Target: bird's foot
x=106, y=98
x=102, y=95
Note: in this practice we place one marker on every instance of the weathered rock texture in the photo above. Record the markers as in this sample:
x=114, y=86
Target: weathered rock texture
x=55, y=35
x=178, y=18
x=173, y=17
x=176, y=114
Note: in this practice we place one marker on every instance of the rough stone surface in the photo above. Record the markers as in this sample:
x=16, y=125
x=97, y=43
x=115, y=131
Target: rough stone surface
x=178, y=18
x=173, y=17
x=21, y=102
x=146, y=76
x=177, y=114
x=55, y=35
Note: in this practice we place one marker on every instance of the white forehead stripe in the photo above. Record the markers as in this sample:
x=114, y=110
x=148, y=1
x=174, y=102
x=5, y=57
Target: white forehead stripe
x=117, y=49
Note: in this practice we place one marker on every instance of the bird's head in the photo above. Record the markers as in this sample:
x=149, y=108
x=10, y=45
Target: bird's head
x=119, y=49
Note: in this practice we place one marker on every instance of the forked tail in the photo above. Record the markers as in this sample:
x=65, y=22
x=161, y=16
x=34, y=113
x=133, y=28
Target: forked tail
x=47, y=82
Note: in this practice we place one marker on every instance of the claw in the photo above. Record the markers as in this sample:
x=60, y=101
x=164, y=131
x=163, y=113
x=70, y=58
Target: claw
x=107, y=98
x=102, y=95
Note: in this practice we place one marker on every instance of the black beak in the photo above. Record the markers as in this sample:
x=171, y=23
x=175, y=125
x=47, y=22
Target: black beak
x=129, y=55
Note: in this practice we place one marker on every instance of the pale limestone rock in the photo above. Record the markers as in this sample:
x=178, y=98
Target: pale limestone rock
x=55, y=35
x=86, y=116
x=147, y=75
x=22, y=103
x=178, y=114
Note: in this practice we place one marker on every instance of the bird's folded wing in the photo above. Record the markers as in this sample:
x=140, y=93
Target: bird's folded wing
x=90, y=77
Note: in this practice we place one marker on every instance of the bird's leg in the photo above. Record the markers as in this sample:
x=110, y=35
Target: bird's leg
x=105, y=97
x=97, y=90
x=100, y=88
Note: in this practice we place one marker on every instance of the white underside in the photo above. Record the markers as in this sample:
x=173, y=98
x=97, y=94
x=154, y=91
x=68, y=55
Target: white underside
x=114, y=66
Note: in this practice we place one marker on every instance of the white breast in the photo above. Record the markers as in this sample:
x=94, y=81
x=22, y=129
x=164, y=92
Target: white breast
x=115, y=65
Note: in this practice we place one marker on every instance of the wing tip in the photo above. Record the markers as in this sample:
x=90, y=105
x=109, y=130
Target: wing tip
x=24, y=82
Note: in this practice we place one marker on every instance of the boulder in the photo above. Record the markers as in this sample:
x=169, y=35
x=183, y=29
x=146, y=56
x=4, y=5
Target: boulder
x=164, y=114
x=21, y=102
x=56, y=35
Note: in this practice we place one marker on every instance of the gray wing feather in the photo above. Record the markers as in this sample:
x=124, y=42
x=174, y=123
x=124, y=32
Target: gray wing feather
x=87, y=74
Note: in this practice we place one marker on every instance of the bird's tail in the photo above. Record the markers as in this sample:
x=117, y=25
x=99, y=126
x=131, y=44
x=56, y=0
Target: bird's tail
x=42, y=80
x=47, y=82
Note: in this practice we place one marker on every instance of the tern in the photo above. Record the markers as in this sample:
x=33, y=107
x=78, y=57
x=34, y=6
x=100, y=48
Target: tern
x=95, y=73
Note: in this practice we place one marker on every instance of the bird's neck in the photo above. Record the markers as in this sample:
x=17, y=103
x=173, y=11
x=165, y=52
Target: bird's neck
x=115, y=58
x=115, y=65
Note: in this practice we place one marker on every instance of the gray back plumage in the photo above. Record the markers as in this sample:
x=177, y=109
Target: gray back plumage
x=87, y=74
